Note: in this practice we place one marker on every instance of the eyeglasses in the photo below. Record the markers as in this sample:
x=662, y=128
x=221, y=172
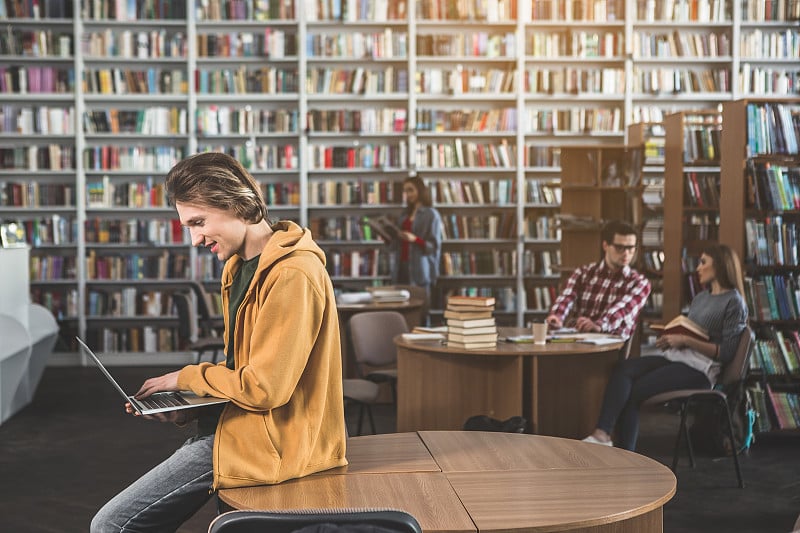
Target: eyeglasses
x=620, y=248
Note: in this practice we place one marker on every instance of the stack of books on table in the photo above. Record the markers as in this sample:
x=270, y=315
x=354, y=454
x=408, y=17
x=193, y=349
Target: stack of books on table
x=470, y=322
x=385, y=295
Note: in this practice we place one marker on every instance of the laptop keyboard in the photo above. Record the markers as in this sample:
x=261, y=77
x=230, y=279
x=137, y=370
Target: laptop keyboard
x=158, y=401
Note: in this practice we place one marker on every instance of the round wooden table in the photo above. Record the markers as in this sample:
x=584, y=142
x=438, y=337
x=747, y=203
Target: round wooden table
x=558, y=387
x=462, y=481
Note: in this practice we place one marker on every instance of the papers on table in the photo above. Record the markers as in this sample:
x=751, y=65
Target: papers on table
x=411, y=337
x=570, y=335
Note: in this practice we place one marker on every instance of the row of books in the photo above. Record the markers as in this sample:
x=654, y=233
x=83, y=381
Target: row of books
x=682, y=11
x=132, y=158
x=36, y=194
x=383, y=120
x=659, y=44
x=473, y=80
x=491, y=226
x=701, y=189
x=575, y=43
x=653, y=260
x=377, y=44
x=471, y=120
x=653, y=231
x=764, y=42
x=772, y=187
x=475, y=44
x=35, y=43
x=53, y=267
x=370, y=263
x=775, y=297
x=479, y=263
x=343, y=228
x=129, y=302
x=761, y=80
x=135, y=231
x=35, y=9
x=541, y=297
x=470, y=322
x=153, y=44
x=257, y=156
x=127, y=10
x=44, y=157
x=501, y=191
x=366, y=155
x=137, y=194
x=469, y=154
x=245, y=120
x=576, y=120
x=701, y=227
x=702, y=143
x=772, y=128
x=541, y=227
x=388, y=79
x=786, y=406
x=269, y=42
x=283, y=193
x=24, y=79
x=541, y=263
x=775, y=10
x=155, y=120
x=132, y=266
x=44, y=120
x=357, y=10
x=574, y=81
x=51, y=230
x=144, y=339
x=154, y=80
x=777, y=355
x=772, y=241
x=666, y=80
x=62, y=302
x=256, y=10
x=243, y=80
x=489, y=11
x=363, y=191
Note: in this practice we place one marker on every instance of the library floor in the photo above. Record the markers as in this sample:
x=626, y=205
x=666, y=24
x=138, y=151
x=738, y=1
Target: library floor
x=61, y=460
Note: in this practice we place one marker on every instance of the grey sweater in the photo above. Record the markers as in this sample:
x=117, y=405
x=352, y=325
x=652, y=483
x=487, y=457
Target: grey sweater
x=724, y=316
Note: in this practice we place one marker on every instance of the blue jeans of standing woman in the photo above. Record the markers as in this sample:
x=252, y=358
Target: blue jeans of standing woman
x=166, y=496
x=631, y=383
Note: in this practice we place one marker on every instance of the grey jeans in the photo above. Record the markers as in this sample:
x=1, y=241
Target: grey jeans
x=166, y=496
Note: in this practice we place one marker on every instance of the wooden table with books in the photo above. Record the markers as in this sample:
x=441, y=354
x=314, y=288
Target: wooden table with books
x=558, y=387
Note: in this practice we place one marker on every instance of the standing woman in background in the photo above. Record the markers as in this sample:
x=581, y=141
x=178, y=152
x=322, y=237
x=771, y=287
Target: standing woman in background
x=419, y=244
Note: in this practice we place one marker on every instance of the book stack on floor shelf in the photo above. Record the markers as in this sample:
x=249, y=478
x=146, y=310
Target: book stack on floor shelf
x=470, y=322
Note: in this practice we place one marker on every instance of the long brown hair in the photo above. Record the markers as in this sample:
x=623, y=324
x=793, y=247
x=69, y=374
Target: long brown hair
x=727, y=268
x=423, y=194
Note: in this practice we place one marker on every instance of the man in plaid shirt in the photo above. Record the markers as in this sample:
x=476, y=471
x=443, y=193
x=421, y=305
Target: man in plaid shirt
x=608, y=295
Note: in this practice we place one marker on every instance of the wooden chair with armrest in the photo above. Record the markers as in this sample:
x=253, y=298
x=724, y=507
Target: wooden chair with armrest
x=685, y=399
x=289, y=521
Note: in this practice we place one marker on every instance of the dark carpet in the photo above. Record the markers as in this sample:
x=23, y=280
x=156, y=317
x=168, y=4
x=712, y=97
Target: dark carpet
x=73, y=448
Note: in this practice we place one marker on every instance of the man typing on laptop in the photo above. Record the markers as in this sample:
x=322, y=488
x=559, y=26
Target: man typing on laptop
x=282, y=376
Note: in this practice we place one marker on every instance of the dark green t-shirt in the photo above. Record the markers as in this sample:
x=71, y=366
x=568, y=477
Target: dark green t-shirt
x=207, y=422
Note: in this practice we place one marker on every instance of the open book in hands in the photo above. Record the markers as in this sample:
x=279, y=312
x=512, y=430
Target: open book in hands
x=681, y=325
x=384, y=227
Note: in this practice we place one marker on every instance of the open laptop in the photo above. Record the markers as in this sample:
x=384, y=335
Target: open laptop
x=159, y=402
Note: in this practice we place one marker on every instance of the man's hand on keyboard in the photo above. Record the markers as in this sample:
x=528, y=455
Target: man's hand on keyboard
x=167, y=382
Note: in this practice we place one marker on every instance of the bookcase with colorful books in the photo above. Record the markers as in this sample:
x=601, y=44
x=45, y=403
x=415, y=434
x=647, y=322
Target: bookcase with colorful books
x=760, y=219
x=691, y=200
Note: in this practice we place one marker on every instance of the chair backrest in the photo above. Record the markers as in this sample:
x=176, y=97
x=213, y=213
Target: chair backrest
x=187, y=317
x=290, y=521
x=736, y=370
x=371, y=334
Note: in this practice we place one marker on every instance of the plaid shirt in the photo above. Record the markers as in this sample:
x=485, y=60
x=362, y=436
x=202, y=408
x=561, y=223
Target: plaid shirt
x=612, y=300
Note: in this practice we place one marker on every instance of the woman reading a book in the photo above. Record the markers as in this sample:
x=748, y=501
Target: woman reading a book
x=419, y=242
x=692, y=352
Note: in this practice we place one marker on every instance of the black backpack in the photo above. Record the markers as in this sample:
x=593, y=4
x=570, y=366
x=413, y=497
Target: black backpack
x=709, y=430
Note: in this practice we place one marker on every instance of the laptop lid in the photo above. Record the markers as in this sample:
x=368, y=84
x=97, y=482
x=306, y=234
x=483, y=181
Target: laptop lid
x=185, y=399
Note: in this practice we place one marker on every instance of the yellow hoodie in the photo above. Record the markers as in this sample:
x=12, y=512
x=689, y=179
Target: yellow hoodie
x=286, y=415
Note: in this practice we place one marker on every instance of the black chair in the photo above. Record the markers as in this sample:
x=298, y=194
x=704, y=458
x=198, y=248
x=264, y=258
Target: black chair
x=734, y=372
x=197, y=326
x=290, y=521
